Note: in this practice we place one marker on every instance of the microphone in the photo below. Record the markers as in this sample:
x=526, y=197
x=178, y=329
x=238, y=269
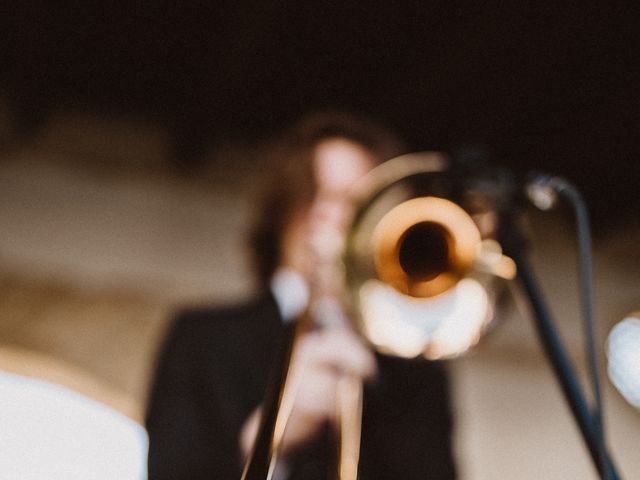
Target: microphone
x=542, y=190
x=623, y=354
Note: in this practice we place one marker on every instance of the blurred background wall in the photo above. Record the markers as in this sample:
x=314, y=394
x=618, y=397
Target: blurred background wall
x=128, y=165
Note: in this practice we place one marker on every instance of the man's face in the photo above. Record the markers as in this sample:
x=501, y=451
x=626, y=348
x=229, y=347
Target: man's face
x=317, y=232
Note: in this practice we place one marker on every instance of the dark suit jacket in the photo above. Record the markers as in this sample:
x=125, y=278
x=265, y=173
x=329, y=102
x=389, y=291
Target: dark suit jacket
x=213, y=372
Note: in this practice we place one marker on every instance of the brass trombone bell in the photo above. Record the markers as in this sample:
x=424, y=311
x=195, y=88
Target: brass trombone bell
x=421, y=272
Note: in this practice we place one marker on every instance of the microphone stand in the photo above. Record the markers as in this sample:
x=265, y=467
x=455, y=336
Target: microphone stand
x=562, y=367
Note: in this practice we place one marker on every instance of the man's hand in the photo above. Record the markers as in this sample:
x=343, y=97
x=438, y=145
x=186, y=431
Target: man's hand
x=320, y=359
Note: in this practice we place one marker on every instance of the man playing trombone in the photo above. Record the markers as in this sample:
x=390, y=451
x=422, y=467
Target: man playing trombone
x=211, y=377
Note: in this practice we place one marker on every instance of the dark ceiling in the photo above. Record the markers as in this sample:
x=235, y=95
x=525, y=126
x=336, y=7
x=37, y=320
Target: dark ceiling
x=548, y=86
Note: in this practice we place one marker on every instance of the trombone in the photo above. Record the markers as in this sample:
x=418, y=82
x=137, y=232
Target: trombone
x=419, y=268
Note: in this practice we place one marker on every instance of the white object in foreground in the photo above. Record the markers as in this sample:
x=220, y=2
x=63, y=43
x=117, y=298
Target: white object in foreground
x=48, y=431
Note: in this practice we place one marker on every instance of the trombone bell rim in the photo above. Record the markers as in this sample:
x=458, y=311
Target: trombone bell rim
x=456, y=228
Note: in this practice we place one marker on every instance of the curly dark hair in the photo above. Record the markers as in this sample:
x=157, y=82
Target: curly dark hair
x=290, y=185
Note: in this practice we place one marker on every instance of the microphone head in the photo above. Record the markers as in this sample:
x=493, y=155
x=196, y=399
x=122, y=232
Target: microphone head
x=541, y=191
x=623, y=353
